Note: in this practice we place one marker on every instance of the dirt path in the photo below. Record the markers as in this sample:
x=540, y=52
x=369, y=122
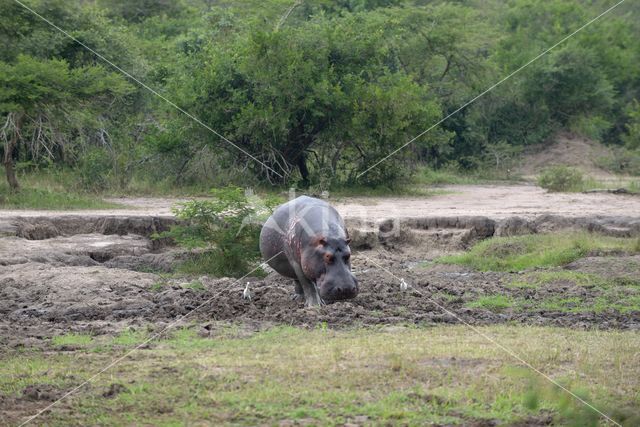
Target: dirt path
x=493, y=201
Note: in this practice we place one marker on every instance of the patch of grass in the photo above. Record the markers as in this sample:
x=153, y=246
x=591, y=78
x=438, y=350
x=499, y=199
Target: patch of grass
x=622, y=302
x=540, y=278
x=522, y=284
x=410, y=376
x=444, y=176
x=571, y=304
x=209, y=263
x=195, y=285
x=80, y=340
x=128, y=337
x=455, y=176
x=492, y=302
x=37, y=198
x=445, y=296
x=537, y=250
x=158, y=286
x=54, y=189
x=408, y=190
x=570, y=180
x=621, y=294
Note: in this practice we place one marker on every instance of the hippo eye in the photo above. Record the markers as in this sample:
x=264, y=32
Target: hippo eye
x=347, y=257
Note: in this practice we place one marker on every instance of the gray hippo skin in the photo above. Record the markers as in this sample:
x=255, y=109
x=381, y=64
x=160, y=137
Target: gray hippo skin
x=314, y=246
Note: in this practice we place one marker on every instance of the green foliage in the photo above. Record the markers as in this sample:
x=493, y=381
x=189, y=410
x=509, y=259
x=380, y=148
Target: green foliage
x=592, y=127
x=622, y=161
x=537, y=250
x=226, y=228
x=632, y=136
x=94, y=169
x=561, y=178
x=50, y=199
x=319, y=97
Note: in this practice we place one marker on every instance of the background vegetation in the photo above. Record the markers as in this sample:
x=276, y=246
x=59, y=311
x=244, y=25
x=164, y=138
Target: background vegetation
x=317, y=91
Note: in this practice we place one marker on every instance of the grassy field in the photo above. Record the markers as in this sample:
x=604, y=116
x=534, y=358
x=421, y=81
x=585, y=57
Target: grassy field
x=394, y=375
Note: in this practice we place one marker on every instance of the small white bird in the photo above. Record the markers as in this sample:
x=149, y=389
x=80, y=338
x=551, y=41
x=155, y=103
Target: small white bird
x=403, y=285
x=247, y=292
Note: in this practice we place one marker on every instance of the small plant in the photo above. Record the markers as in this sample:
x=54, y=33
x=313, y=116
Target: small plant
x=227, y=228
x=561, y=178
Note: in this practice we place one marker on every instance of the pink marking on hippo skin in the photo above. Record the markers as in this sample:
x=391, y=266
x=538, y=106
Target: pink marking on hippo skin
x=291, y=235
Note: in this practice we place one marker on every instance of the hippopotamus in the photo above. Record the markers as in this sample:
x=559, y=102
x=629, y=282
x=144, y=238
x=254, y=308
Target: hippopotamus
x=306, y=239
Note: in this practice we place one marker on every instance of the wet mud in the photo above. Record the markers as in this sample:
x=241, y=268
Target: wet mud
x=102, y=275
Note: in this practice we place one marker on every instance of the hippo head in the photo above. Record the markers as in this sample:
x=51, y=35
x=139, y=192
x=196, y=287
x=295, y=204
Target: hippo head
x=327, y=261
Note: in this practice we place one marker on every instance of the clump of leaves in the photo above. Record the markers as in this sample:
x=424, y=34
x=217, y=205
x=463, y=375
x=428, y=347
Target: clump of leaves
x=561, y=178
x=226, y=228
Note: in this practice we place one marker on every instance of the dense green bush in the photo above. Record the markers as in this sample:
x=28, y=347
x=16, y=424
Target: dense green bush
x=561, y=178
x=319, y=96
x=632, y=136
x=225, y=228
x=94, y=169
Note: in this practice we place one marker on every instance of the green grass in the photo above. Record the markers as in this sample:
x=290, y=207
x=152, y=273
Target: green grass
x=561, y=178
x=37, y=198
x=537, y=250
x=195, y=285
x=540, y=278
x=54, y=189
x=411, y=376
x=408, y=190
x=210, y=263
x=72, y=340
x=621, y=294
x=492, y=302
x=451, y=176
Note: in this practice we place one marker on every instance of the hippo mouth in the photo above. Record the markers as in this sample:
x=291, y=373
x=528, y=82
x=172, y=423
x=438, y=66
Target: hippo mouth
x=331, y=292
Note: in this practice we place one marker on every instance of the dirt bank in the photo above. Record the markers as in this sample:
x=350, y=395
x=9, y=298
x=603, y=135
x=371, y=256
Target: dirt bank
x=100, y=273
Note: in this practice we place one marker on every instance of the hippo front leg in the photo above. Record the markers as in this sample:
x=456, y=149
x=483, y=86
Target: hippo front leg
x=299, y=292
x=311, y=295
x=309, y=289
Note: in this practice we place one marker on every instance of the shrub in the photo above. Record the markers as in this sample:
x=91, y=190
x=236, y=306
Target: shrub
x=632, y=136
x=227, y=228
x=561, y=178
x=94, y=170
x=621, y=161
x=593, y=127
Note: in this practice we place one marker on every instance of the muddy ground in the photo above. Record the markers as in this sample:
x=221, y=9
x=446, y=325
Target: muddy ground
x=101, y=273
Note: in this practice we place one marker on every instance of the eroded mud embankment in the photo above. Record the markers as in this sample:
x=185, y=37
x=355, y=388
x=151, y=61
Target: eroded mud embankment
x=100, y=274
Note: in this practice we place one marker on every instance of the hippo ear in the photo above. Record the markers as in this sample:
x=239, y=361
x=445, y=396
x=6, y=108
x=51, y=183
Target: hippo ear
x=348, y=240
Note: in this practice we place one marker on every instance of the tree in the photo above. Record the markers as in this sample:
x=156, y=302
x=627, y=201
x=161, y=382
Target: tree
x=328, y=97
x=41, y=100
